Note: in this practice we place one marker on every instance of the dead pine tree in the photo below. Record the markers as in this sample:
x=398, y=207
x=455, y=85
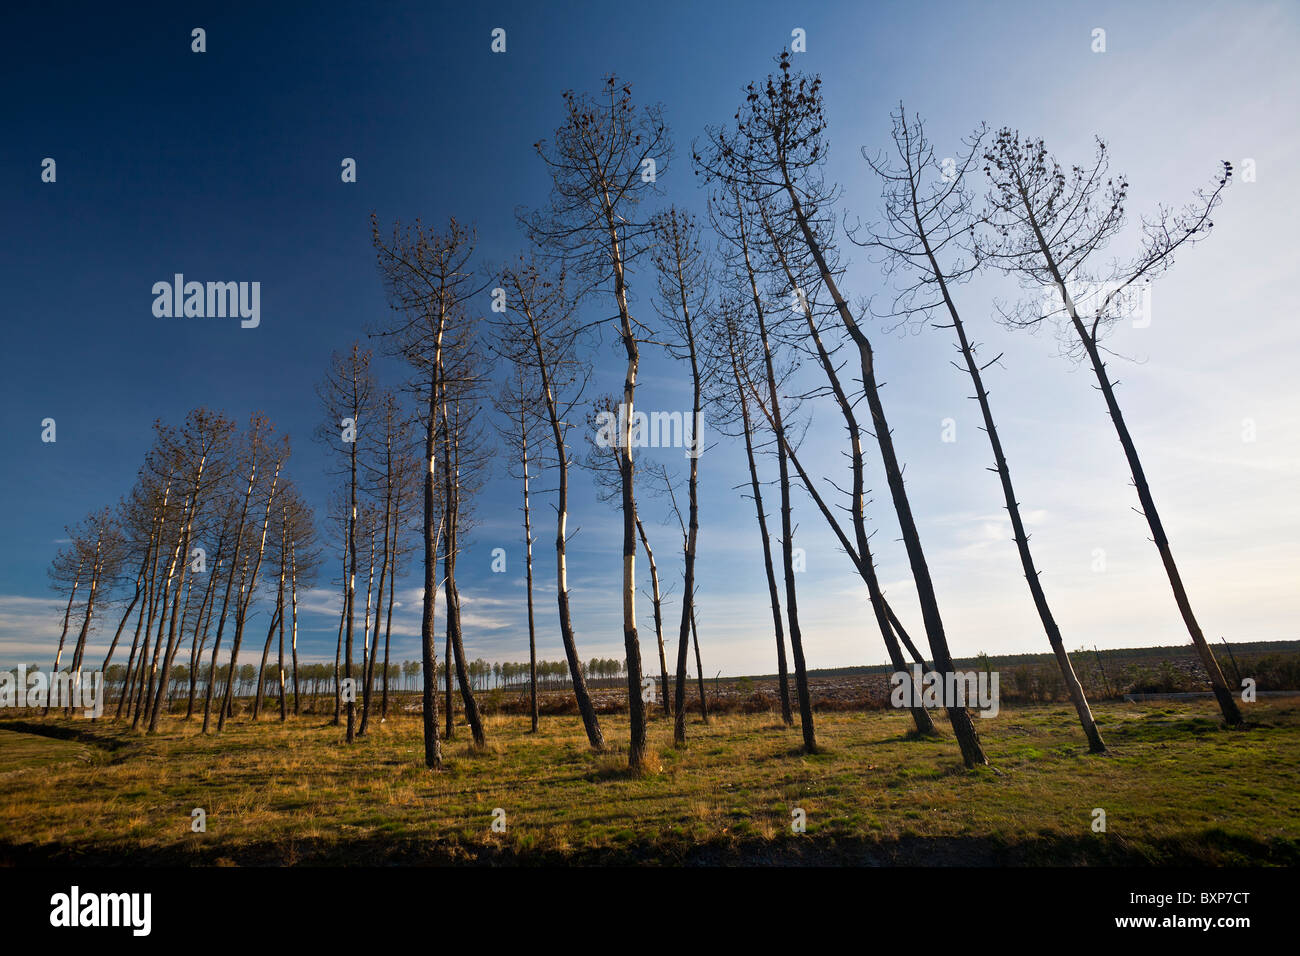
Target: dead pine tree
x=819, y=325
x=658, y=471
x=275, y=454
x=927, y=219
x=683, y=303
x=384, y=485
x=143, y=519
x=465, y=454
x=603, y=160
x=428, y=278
x=304, y=562
x=346, y=395
x=730, y=405
x=136, y=541
x=243, y=478
x=1050, y=229
x=288, y=509
x=65, y=575
x=775, y=153
x=406, y=488
x=102, y=541
x=212, y=572
x=518, y=425
x=203, y=449
x=538, y=331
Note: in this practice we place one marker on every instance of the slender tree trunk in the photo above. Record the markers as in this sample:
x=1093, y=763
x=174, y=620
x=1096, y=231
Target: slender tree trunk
x=429, y=657
x=276, y=615
x=121, y=625
x=293, y=634
x=284, y=713
x=449, y=702
x=128, y=683
x=528, y=568
x=451, y=523
x=338, y=647
x=388, y=624
x=1021, y=538
x=245, y=599
x=201, y=633
x=692, y=536
x=632, y=647
x=585, y=707
x=699, y=670
x=372, y=640
x=58, y=654
x=1227, y=703
x=774, y=596
x=657, y=602
x=960, y=719
x=351, y=589
x=225, y=602
x=79, y=650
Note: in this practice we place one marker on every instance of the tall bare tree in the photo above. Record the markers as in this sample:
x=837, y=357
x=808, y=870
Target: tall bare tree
x=518, y=427
x=683, y=303
x=429, y=280
x=776, y=152
x=264, y=484
x=604, y=159
x=201, y=451
x=539, y=333
x=1051, y=229
x=923, y=238
x=346, y=395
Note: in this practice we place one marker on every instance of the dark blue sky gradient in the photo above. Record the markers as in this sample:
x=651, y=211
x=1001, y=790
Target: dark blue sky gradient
x=225, y=166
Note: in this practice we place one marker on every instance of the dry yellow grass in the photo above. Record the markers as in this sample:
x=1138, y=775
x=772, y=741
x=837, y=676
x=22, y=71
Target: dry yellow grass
x=1176, y=788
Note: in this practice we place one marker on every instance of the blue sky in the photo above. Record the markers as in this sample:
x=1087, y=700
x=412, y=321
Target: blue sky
x=225, y=166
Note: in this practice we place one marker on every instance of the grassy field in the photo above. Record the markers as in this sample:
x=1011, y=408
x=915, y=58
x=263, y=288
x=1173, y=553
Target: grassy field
x=1177, y=788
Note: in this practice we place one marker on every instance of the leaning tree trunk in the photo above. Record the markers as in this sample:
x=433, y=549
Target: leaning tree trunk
x=451, y=492
x=528, y=572
x=773, y=593
x=585, y=707
x=284, y=711
x=388, y=623
x=58, y=654
x=787, y=534
x=371, y=641
x=449, y=702
x=631, y=646
x=266, y=654
x=1077, y=696
x=428, y=652
x=225, y=601
x=200, y=641
x=293, y=632
x=657, y=602
x=244, y=600
x=338, y=649
x=699, y=669
x=960, y=719
x=80, y=648
x=1227, y=704
x=692, y=537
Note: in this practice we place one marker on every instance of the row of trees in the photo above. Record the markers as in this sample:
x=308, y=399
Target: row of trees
x=317, y=679
x=753, y=304
x=212, y=522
